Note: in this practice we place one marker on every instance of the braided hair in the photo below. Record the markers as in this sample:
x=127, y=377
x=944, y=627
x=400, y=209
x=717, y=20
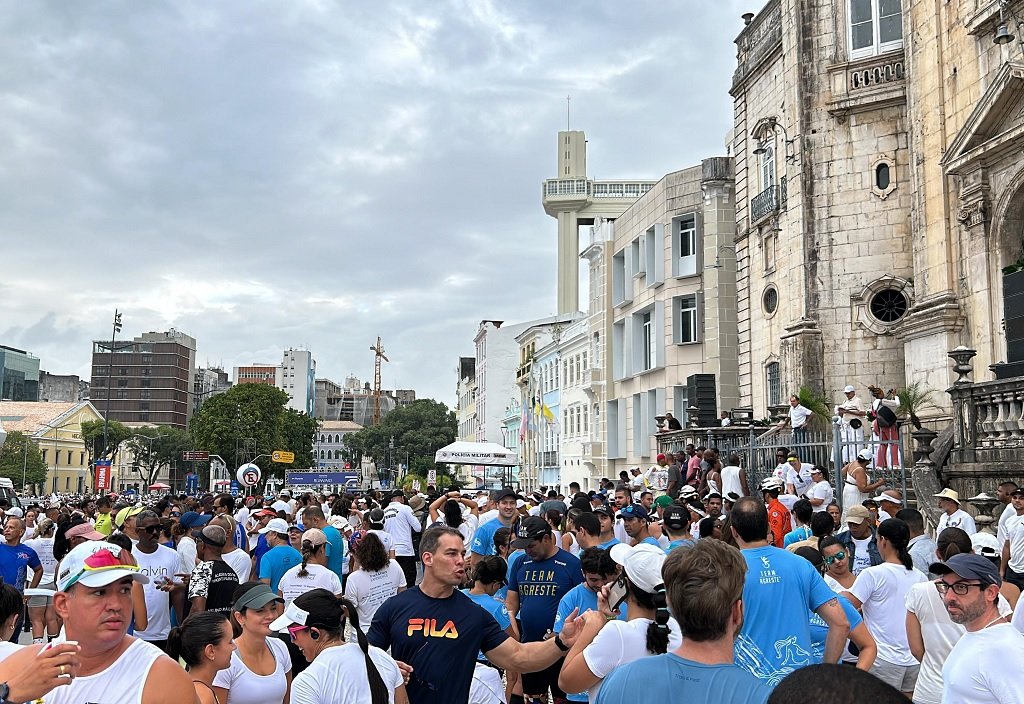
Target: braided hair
x=657, y=631
x=308, y=550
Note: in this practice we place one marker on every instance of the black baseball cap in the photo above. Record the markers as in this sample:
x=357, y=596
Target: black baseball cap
x=505, y=493
x=604, y=511
x=675, y=517
x=530, y=528
x=968, y=566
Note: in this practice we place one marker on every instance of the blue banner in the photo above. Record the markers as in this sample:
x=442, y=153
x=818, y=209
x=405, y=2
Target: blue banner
x=314, y=478
x=236, y=488
x=191, y=483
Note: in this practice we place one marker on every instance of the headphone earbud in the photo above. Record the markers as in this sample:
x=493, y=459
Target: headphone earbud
x=314, y=634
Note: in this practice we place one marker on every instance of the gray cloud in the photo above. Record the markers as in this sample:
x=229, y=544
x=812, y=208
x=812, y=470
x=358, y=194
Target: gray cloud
x=266, y=175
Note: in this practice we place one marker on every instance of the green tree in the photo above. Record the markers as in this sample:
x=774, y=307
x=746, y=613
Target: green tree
x=153, y=449
x=914, y=398
x=92, y=436
x=419, y=430
x=251, y=420
x=20, y=456
x=817, y=404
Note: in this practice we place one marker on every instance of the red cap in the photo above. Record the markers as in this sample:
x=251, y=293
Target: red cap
x=661, y=457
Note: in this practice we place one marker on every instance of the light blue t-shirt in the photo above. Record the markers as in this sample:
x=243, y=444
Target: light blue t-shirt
x=819, y=629
x=276, y=562
x=650, y=540
x=335, y=550
x=514, y=557
x=796, y=535
x=670, y=678
x=495, y=608
x=582, y=598
x=483, y=537
x=779, y=591
x=608, y=545
x=681, y=543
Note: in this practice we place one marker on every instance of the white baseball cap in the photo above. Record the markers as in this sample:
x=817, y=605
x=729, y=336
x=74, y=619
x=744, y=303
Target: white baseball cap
x=849, y=389
x=275, y=525
x=642, y=564
x=95, y=564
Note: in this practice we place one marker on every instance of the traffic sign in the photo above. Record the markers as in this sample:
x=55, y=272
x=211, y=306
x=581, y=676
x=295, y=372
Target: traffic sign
x=282, y=456
x=432, y=476
x=195, y=456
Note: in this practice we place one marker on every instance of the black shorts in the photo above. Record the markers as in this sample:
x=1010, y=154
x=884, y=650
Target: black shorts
x=537, y=683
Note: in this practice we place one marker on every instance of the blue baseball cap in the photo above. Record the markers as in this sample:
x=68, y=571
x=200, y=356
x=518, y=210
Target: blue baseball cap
x=191, y=519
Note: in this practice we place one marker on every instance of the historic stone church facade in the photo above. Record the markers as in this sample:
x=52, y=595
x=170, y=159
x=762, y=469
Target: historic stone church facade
x=879, y=158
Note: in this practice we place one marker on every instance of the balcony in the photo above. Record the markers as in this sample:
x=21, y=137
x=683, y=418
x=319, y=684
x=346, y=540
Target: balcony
x=771, y=201
x=593, y=450
x=867, y=84
x=592, y=379
x=560, y=193
x=523, y=371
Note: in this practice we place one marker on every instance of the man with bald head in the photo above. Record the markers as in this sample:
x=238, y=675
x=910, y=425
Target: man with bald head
x=15, y=561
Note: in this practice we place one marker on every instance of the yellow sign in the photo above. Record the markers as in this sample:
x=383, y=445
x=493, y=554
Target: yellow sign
x=282, y=456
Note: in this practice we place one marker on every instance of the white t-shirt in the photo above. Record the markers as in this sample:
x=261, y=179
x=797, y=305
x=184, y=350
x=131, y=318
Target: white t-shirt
x=44, y=549
x=1008, y=514
x=798, y=416
x=959, y=519
x=821, y=490
x=621, y=642
x=467, y=527
x=241, y=562
x=731, y=480
x=400, y=523
x=293, y=585
x=882, y=590
x=161, y=563
x=1015, y=536
x=368, y=590
x=801, y=480
x=939, y=634
x=861, y=560
x=488, y=515
x=385, y=539
x=338, y=675
x=985, y=667
x=188, y=555
x=246, y=687
x=7, y=649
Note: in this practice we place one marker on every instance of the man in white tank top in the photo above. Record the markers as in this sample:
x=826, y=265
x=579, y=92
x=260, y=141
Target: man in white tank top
x=94, y=599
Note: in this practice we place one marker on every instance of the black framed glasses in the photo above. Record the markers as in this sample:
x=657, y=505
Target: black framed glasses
x=959, y=588
x=175, y=514
x=152, y=530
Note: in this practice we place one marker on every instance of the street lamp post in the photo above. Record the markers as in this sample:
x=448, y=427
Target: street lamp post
x=110, y=371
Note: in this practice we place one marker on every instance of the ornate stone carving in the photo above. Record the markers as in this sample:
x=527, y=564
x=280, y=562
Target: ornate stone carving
x=973, y=214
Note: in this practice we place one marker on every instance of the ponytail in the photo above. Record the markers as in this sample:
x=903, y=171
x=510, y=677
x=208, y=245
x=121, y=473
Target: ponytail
x=953, y=541
x=897, y=533
x=657, y=631
x=307, y=552
x=379, y=692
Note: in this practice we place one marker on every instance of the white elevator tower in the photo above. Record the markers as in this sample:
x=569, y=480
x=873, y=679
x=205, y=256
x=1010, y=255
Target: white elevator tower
x=575, y=200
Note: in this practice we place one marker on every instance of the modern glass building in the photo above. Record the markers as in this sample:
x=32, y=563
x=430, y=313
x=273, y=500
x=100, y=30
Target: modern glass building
x=19, y=372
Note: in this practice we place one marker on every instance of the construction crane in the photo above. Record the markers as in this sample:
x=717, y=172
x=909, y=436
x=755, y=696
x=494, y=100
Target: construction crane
x=378, y=355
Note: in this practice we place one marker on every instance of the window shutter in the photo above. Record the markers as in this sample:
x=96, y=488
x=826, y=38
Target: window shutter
x=659, y=334
x=659, y=253
x=699, y=299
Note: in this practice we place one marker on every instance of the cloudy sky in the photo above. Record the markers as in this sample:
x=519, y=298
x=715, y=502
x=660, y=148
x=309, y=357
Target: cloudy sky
x=263, y=175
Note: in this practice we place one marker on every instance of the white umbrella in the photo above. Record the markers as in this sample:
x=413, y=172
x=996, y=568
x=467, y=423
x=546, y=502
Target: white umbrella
x=489, y=454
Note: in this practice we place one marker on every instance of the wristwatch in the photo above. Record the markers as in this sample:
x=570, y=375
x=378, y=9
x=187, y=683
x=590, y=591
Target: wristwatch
x=560, y=644
x=5, y=692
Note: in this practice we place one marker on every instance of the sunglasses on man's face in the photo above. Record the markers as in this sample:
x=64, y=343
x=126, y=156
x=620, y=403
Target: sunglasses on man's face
x=152, y=530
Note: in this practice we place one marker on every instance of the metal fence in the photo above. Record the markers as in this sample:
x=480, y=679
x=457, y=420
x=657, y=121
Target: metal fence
x=759, y=448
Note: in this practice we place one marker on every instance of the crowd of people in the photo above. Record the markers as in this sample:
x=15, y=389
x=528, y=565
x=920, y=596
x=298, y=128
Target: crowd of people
x=676, y=582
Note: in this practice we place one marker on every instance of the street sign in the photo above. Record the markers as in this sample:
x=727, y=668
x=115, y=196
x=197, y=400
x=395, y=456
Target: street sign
x=318, y=478
x=195, y=456
x=415, y=484
x=103, y=475
x=248, y=474
x=282, y=456
x=432, y=476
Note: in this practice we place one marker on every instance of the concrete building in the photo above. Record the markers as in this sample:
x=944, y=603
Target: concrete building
x=497, y=355
x=298, y=380
x=575, y=200
x=403, y=397
x=574, y=453
x=329, y=448
x=325, y=388
x=56, y=428
x=62, y=387
x=207, y=383
x=19, y=375
x=669, y=322
x=355, y=403
x=260, y=373
x=146, y=380
x=466, y=412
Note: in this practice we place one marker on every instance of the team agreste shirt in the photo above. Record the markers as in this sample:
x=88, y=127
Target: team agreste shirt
x=541, y=585
x=439, y=638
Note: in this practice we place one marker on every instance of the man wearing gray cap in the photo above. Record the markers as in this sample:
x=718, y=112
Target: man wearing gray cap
x=985, y=663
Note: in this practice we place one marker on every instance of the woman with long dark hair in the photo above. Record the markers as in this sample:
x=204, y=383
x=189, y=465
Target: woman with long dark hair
x=450, y=504
x=312, y=573
x=11, y=605
x=606, y=642
x=880, y=593
x=338, y=672
x=203, y=642
x=378, y=579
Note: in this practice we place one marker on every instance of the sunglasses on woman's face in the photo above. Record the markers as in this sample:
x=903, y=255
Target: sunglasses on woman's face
x=835, y=558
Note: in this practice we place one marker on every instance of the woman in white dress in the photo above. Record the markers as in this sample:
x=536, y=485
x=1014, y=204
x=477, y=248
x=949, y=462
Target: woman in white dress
x=857, y=485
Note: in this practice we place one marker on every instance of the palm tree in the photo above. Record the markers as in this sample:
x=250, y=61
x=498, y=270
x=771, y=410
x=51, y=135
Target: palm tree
x=914, y=398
